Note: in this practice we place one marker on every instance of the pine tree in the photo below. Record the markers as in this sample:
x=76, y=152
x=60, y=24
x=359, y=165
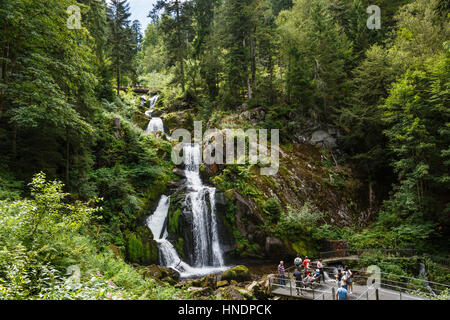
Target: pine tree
x=175, y=24
x=121, y=39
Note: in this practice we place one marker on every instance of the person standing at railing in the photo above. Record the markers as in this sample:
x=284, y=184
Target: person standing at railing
x=339, y=277
x=320, y=267
x=281, y=273
x=298, y=261
x=298, y=280
x=349, y=274
x=344, y=280
x=342, y=293
x=306, y=264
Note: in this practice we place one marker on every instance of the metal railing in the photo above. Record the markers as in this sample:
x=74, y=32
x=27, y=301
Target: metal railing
x=293, y=290
x=401, y=252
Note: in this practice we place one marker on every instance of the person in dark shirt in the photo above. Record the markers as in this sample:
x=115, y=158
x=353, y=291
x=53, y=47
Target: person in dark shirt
x=339, y=278
x=298, y=280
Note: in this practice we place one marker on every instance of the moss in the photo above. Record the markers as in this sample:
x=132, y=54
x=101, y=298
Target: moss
x=174, y=217
x=302, y=247
x=140, y=251
x=179, y=246
x=239, y=273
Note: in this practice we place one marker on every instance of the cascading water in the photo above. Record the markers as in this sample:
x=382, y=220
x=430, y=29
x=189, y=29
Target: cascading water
x=155, y=124
x=207, y=255
x=207, y=251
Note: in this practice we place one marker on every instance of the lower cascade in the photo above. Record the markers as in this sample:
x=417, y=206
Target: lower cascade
x=207, y=255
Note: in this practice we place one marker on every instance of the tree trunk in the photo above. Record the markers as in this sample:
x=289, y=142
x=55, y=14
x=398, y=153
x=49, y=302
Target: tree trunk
x=118, y=79
x=249, y=86
x=253, y=58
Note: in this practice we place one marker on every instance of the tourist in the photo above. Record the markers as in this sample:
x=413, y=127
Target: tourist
x=298, y=261
x=306, y=263
x=317, y=275
x=320, y=267
x=342, y=293
x=339, y=277
x=307, y=280
x=298, y=280
x=344, y=280
x=281, y=273
x=349, y=280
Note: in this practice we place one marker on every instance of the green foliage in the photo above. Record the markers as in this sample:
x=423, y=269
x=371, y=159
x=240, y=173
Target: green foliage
x=296, y=221
x=272, y=209
x=46, y=265
x=139, y=251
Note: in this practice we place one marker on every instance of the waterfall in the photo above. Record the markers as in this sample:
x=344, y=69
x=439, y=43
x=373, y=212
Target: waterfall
x=156, y=223
x=208, y=256
x=206, y=241
x=155, y=124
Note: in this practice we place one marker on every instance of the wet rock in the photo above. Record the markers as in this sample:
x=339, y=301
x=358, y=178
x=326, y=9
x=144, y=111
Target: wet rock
x=179, y=172
x=161, y=273
x=239, y=274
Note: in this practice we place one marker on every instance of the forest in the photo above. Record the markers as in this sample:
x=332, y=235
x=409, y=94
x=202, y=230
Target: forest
x=79, y=174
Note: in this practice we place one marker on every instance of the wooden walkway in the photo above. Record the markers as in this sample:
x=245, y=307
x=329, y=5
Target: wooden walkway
x=325, y=291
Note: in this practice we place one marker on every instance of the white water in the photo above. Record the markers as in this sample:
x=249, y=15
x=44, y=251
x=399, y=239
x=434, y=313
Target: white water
x=208, y=256
x=207, y=249
x=155, y=124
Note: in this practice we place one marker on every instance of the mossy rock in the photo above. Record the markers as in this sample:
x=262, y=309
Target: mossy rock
x=239, y=274
x=174, y=226
x=231, y=293
x=142, y=249
x=222, y=283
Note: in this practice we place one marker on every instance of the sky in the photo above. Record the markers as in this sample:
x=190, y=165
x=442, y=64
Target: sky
x=140, y=10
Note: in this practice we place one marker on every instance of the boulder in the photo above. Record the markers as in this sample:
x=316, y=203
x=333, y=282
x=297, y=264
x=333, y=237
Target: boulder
x=196, y=283
x=257, y=114
x=161, y=273
x=324, y=138
x=231, y=293
x=200, y=292
x=179, y=172
x=209, y=282
x=256, y=289
x=239, y=274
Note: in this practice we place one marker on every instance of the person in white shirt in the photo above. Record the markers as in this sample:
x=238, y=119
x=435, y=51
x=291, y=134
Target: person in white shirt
x=320, y=267
x=349, y=274
x=298, y=261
